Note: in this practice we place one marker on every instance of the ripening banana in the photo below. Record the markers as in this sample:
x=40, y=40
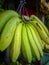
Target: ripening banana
x=37, y=34
x=5, y=16
x=33, y=46
x=37, y=42
x=33, y=17
x=41, y=31
x=26, y=49
x=16, y=44
x=8, y=33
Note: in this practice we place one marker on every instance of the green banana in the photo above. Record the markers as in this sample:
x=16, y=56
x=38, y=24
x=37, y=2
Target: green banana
x=33, y=46
x=33, y=17
x=37, y=34
x=8, y=33
x=37, y=42
x=26, y=50
x=5, y=16
x=41, y=31
x=16, y=44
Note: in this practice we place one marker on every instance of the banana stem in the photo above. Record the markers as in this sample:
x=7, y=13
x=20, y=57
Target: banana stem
x=25, y=19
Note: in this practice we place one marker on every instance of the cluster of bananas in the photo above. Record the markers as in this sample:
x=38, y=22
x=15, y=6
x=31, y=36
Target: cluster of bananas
x=29, y=37
x=44, y=7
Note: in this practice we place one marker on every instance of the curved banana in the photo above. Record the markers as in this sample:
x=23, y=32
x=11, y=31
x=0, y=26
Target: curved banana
x=16, y=44
x=5, y=16
x=41, y=31
x=33, y=46
x=33, y=17
x=8, y=33
x=37, y=42
x=26, y=49
x=37, y=34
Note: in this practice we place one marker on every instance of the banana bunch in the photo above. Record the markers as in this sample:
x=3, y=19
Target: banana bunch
x=29, y=37
x=10, y=32
x=42, y=31
x=44, y=6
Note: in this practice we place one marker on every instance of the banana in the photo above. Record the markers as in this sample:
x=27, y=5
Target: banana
x=41, y=31
x=33, y=17
x=16, y=44
x=37, y=42
x=37, y=34
x=26, y=50
x=6, y=15
x=33, y=46
x=8, y=33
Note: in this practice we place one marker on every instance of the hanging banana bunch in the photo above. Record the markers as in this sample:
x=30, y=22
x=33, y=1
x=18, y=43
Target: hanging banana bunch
x=44, y=7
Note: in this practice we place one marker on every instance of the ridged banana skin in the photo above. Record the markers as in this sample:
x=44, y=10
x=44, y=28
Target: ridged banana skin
x=33, y=17
x=16, y=44
x=41, y=31
x=8, y=33
x=5, y=16
x=37, y=34
x=26, y=49
x=33, y=46
x=37, y=42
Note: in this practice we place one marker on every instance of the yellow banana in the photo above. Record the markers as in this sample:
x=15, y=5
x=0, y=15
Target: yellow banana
x=26, y=49
x=37, y=42
x=41, y=31
x=5, y=16
x=8, y=33
x=33, y=46
x=33, y=17
x=16, y=44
